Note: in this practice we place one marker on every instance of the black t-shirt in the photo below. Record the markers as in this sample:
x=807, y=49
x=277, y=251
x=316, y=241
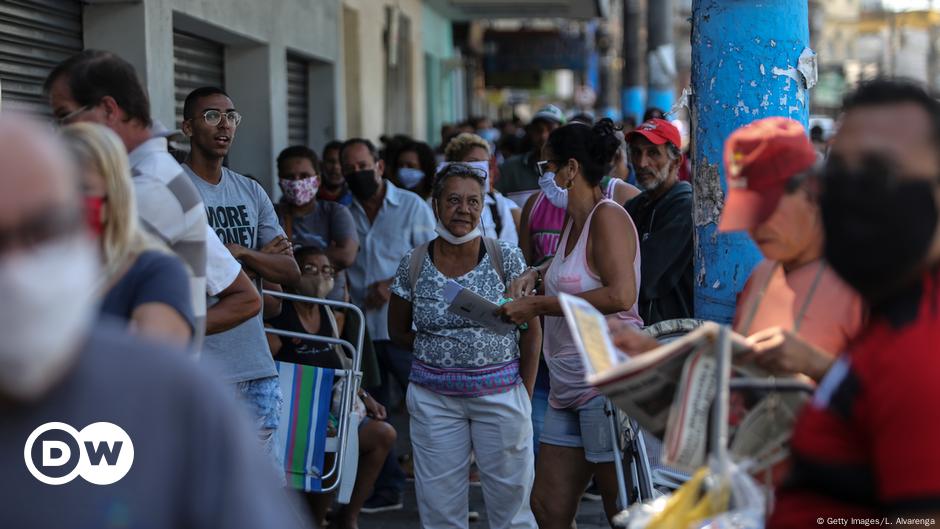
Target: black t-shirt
x=197, y=462
x=299, y=351
x=155, y=277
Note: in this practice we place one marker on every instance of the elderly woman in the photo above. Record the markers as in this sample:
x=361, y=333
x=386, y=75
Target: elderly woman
x=470, y=384
x=500, y=215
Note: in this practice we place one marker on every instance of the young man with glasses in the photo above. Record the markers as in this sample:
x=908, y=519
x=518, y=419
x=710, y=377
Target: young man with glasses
x=242, y=216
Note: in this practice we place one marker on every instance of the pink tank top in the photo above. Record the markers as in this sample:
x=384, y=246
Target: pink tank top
x=571, y=275
x=546, y=222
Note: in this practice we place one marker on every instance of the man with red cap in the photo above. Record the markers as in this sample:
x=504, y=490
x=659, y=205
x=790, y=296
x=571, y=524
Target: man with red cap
x=796, y=311
x=663, y=217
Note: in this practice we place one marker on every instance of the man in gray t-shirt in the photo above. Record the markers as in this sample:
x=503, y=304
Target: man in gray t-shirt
x=241, y=214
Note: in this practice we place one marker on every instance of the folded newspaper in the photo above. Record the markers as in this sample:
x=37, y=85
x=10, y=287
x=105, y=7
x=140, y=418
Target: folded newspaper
x=669, y=391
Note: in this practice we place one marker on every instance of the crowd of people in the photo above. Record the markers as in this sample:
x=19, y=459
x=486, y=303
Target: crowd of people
x=119, y=265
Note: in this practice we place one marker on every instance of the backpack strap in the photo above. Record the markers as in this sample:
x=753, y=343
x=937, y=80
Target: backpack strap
x=414, y=266
x=496, y=256
x=494, y=211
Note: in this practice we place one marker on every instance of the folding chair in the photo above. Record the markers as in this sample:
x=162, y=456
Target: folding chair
x=308, y=392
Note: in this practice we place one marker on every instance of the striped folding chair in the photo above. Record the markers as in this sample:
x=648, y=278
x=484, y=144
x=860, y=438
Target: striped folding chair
x=313, y=460
x=302, y=435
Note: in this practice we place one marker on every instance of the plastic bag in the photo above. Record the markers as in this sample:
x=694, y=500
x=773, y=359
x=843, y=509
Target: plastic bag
x=707, y=501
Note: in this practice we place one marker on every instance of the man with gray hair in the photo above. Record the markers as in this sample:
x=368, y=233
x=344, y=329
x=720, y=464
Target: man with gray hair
x=663, y=217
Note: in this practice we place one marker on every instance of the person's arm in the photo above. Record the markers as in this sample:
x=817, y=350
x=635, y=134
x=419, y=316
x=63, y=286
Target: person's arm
x=275, y=261
x=271, y=305
x=399, y=322
x=345, y=245
x=530, y=347
x=378, y=294
x=525, y=237
x=665, y=249
x=239, y=302
x=624, y=192
x=782, y=352
x=342, y=254
x=274, y=341
x=161, y=321
x=516, y=217
x=274, y=267
x=613, y=255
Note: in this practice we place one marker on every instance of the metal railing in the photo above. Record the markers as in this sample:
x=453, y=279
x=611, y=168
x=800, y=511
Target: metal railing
x=353, y=376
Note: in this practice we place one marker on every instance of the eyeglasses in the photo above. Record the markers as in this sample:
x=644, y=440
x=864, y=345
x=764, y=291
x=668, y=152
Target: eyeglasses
x=214, y=117
x=66, y=119
x=541, y=165
x=461, y=169
x=313, y=270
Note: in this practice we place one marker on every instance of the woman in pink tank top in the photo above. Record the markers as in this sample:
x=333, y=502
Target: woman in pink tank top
x=542, y=221
x=597, y=259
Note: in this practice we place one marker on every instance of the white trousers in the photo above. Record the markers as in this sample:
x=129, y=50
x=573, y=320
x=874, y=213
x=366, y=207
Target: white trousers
x=498, y=430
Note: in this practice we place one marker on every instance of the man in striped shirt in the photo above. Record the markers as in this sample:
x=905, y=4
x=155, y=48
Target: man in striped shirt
x=100, y=87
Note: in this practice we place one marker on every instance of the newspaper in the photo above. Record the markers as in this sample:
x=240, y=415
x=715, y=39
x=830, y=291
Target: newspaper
x=670, y=390
x=474, y=307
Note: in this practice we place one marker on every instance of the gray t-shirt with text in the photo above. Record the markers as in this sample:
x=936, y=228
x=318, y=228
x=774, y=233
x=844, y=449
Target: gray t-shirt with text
x=239, y=212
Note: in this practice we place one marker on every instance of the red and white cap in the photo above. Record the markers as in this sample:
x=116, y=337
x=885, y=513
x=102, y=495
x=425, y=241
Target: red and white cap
x=760, y=159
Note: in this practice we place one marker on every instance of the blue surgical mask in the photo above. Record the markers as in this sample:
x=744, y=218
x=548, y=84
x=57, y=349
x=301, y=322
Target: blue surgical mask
x=490, y=135
x=410, y=178
x=556, y=195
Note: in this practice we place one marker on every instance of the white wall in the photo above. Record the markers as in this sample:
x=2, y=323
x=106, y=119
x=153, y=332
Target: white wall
x=366, y=70
x=257, y=39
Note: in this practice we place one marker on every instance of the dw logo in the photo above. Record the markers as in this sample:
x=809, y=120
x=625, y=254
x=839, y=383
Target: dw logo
x=55, y=453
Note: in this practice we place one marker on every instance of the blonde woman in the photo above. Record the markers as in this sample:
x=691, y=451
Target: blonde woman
x=143, y=284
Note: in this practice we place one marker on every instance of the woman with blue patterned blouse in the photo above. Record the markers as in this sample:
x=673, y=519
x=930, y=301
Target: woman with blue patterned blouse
x=469, y=386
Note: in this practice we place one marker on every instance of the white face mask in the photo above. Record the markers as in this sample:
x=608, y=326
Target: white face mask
x=49, y=303
x=453, y=239
x=556, y=195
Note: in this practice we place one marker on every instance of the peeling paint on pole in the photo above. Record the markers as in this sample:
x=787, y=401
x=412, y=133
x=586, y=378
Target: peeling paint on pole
x=746, y=65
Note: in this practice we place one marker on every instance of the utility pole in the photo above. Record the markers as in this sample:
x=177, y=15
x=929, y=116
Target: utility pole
x=660, y=54
x=633, y=93
x=745, y=57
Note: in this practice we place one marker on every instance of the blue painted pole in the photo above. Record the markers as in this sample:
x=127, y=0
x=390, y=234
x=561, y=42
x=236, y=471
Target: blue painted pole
x=633, y=102
x=633, y=88
x=744, y=60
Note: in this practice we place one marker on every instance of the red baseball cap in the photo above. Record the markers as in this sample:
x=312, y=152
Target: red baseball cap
x=760, y=159
x=657, y=131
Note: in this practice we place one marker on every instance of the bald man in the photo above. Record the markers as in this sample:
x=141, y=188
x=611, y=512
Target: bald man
x=196, y=464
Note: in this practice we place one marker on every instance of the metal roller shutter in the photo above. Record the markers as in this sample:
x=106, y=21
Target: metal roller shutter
x=197, y=62
x=35, y=35
x=298, y=107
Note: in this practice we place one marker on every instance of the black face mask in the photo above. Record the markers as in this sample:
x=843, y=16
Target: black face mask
x=878, y=227
x=362, y=184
